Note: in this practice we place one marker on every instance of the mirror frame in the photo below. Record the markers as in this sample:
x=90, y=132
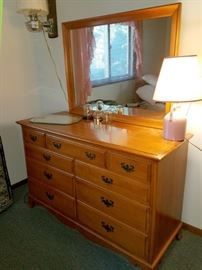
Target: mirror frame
x=172, y=10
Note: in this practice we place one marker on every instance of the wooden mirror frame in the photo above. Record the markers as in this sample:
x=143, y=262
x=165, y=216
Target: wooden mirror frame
x=173, y=11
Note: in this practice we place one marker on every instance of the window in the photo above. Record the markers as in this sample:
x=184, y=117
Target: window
x=113, y=54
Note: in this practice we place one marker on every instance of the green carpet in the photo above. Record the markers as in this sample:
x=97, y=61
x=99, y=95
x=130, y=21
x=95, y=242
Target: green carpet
x=33, y=239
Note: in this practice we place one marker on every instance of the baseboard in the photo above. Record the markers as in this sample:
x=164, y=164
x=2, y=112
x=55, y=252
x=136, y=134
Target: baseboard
x=192, y=229
x=18, y=184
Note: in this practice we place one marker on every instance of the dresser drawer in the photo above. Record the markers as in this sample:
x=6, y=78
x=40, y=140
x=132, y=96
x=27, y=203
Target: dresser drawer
x=52, y=198
x=116, y=206
x=90, y=154
x=125, y=186
x=113, y=230
x=51, y=176
x=49, y=157
x=32, y=136
x=133, y=167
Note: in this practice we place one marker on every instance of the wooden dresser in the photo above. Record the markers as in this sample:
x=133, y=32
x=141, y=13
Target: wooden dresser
x=120, y=185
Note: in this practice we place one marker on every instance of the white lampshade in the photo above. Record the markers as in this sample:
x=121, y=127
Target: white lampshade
x=179, y=80
x=32, y=7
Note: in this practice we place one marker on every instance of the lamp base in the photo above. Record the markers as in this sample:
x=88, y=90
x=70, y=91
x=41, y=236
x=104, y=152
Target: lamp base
x=174, y=128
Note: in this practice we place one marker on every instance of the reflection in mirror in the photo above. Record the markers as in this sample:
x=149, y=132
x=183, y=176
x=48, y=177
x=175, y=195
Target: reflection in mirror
x=122, y=89
x=117, y=58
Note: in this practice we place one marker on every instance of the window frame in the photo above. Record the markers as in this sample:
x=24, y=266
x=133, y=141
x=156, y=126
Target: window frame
x=131, y=62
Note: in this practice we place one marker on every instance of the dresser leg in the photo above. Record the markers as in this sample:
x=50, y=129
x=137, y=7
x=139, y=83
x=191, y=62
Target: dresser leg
x=31, y=202
x=179, y=235
x=147, y=267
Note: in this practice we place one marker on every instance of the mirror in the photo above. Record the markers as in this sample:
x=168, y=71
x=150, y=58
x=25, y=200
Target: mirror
x=164, y=18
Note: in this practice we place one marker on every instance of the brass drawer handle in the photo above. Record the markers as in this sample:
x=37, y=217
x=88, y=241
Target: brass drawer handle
x=127, y=167
x=106, y=179
x=57, y=145
x=48, y=175
x=50, y=196
x=108, y=203
x=47, y=157
x=107, y=227
x=33, y=137
x=90, y=155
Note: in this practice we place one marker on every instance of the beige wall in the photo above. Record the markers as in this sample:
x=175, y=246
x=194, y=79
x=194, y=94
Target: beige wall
x=156, y=42
x=28, y=85
x=191, y=43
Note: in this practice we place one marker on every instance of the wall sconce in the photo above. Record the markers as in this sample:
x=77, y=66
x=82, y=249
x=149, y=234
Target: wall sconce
x=35, y=11
x=179, y=81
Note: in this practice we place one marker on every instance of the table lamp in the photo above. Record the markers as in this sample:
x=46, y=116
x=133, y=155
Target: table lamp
x=179, y=81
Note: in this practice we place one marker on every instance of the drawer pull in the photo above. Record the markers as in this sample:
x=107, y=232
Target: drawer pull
x=127, y=167
x=57, y=145
x=33, y=137
x=107, y=227
x=50, y=196
x=48, y=175
x=90, y=155
x=108, y=203
x=47, y=157
x=106, y=179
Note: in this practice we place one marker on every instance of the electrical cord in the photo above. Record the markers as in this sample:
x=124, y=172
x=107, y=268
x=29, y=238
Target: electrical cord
x=54, y=64
x=197, y=147
x=200, y=149
x=187, y=112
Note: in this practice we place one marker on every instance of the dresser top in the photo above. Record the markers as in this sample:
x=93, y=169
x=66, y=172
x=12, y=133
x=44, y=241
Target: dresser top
x=144, y=141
